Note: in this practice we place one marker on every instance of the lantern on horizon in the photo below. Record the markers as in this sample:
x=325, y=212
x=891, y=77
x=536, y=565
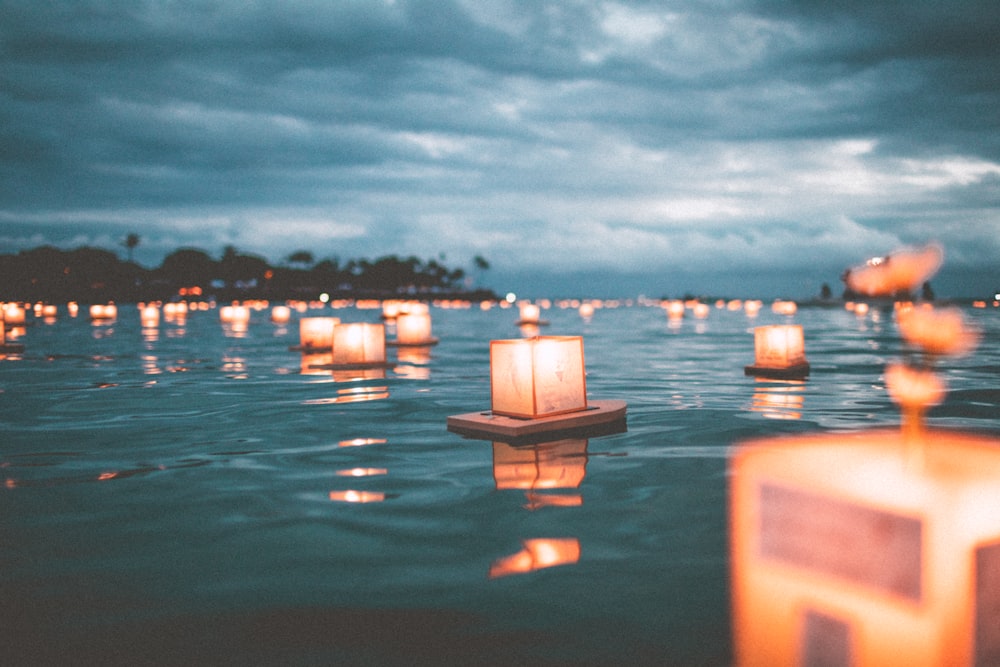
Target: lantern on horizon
x=13, y=315
x=537, y=377
x=316, y=333
x=149, y=316
x=281, y=314
x=529, y=313
x=779, y=351
x=358, y=344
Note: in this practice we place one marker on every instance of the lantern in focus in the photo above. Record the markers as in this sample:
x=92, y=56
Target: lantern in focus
x=779, y=351
x=359, y=344
x=537, y=385
x=877, y=548
x=537, y=377
x=316, y=333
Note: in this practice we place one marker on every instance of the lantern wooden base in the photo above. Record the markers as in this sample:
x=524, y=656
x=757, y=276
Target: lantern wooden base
x=528, y=323
x=787, y=373
x=487, y=426
x=352, y=367
x=12, y=347
x=420, y=343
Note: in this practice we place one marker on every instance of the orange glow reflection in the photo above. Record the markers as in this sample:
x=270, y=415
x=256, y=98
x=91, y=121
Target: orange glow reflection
x=353, y=496
x=362, y=472
x=536, y=554
x=361, y=442
x=778, y=399
x=936, y=330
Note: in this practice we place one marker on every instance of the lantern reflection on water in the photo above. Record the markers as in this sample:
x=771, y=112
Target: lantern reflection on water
x=778, y=399
x=779, y=351
x=536, y=554
x=560, y=464
x=883, y=547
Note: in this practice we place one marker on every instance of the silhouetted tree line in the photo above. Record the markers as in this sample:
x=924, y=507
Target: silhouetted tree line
x=92, y=275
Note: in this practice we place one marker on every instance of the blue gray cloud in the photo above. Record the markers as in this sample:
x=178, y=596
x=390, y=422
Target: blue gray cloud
x=654, y=139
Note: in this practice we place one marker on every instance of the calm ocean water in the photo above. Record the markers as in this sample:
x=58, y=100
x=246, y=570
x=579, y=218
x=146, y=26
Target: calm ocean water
x=181, y=496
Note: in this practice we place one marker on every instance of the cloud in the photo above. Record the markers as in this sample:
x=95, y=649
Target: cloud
x=641, y=137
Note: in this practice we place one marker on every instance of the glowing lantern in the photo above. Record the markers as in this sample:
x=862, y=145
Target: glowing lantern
x=359, y=344
x=675, y=309
x=101, y=312
x=586, y=310
x=781, y=307
x=316, y=333
x=878, y=548
x=779, y=351
x=13, y=315
x=149, y=316
x=900, y=271
x=530, y=313
x=414, y=328
x=281, y=314
x=236, y=315
x=537, y=377
x=701, y=310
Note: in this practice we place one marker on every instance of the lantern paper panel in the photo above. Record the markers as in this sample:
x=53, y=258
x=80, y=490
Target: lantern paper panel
x=316, y=333
x=358, y=343
x=866, y=549
x=413, y=328
x=537, y=377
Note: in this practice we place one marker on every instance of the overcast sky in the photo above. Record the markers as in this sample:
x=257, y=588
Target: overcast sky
x=697, y=146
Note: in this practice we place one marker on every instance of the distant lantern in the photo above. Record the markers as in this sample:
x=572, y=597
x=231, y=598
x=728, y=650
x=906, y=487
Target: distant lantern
x=359, y=344
x=779, y=352
x=414, y=328
x=149, y=316
x=874, y=548
x=49, y=311
x=782, y=307
x=13, y=315
x=530, y=313
x=235, y=315
x=103, y=311
x=586, y=310
x=537, y=377
x=281, y=314
x=701, y=310
x=675, y=309
x=73, y=308
x=316, y=333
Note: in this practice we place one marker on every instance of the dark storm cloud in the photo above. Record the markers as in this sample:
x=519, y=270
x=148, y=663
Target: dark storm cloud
x=628, y=136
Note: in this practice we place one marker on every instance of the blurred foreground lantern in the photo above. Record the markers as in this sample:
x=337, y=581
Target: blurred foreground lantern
x=779, y=351
x=414, y=328
x=538, y=385
x=316, y=333
x=359, y=344
x=878, y=548
x=901, y=271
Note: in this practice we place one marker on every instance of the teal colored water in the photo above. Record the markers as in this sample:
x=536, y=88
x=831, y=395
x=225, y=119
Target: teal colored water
x=181, y=495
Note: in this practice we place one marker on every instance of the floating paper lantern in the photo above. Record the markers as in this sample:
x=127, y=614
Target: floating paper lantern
x=414, y=328
x=235, y=315
x=675, y=309
x=316, y=333
x=779, y=351
x=149, y=316
x=537, y=377
x=782, y=307
x=530, y=313
x=13, y=315
x=359, y=344
x=901, y=271
x=103, y=311
x=537, y=386
x=281, y=314
x=878, y=548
